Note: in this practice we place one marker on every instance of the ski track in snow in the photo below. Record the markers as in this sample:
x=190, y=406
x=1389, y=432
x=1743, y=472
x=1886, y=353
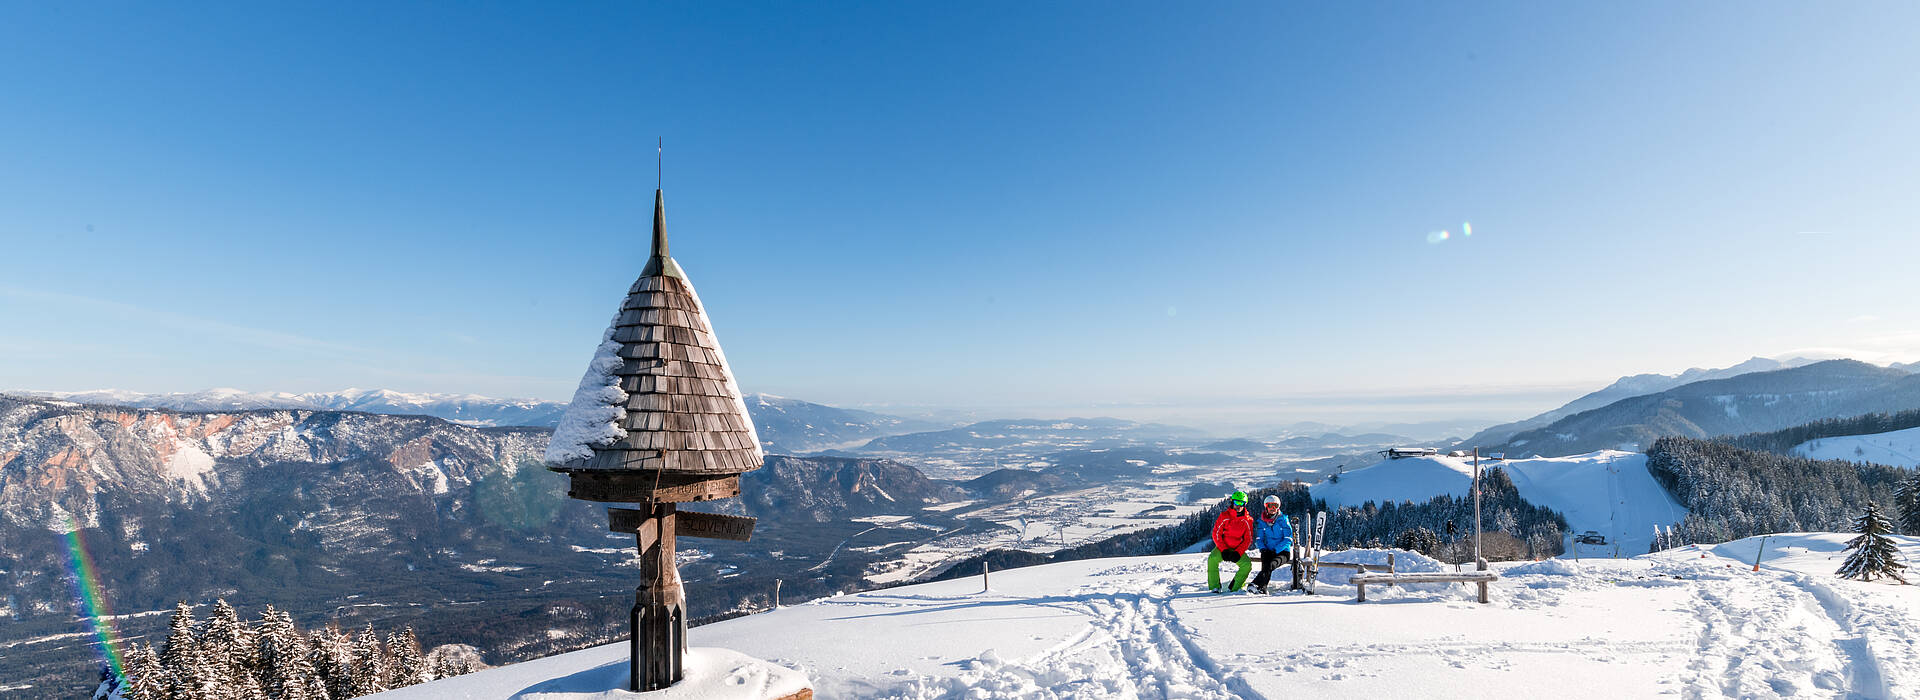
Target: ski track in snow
x=1758, y=642
x=1868, y=647
x=1800, y=636
x=1794, y=636
x=1134, y=648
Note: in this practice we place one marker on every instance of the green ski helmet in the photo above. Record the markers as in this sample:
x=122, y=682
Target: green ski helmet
x=1239, y=498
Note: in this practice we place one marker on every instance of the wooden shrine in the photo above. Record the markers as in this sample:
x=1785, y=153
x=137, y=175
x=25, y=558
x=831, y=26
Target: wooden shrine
x=683, y=436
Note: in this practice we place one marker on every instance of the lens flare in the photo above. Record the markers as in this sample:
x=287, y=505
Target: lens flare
x=1466, y=228
x=1438, y=237
x=86, y=583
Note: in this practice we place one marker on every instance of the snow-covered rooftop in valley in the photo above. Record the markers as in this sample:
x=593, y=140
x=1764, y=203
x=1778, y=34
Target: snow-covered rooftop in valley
x=1694, y=621
x=1899, y=448
x=1609, y=492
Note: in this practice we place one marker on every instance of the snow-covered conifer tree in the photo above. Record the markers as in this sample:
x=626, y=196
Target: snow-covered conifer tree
x=182, y=657
x=405, y=666
x=285, y=663
x=1906, y=500
x=332, y=656
x=146, y=677
x=1874, y=554
x=230, y=655
x=369, y=663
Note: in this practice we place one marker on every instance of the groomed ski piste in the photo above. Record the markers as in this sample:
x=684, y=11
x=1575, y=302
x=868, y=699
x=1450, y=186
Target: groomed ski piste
x=1609, y=492
x=1697, y=621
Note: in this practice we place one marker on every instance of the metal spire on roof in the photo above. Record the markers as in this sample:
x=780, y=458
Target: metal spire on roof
x=659, y=224
x=659, y=262
x=660, y=200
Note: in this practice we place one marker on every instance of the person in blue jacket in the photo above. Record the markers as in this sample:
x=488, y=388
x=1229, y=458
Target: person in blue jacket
x=1273, y=536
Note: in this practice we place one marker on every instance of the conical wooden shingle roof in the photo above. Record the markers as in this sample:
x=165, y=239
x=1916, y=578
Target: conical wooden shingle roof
x=684, y=412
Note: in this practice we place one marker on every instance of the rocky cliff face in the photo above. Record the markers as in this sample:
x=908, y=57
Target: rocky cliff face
x=60, y=460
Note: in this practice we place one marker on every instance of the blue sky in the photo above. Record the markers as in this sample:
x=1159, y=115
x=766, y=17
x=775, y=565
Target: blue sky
x=1056, y=207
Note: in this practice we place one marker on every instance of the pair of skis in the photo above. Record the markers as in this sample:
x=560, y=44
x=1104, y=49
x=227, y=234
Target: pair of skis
x=1312, y=534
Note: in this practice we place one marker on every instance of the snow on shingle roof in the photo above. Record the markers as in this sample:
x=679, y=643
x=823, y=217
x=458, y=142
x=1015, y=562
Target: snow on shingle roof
x=658, y=393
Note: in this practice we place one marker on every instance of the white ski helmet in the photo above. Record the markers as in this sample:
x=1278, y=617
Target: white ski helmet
x=1272, y=500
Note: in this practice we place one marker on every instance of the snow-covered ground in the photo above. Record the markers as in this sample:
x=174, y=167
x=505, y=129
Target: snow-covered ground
x=1899, y=448
x=1609, y=492
x=601, y=673
x=1691, y=622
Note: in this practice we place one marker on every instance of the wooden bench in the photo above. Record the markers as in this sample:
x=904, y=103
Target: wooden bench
x=1482, y=578
x=1311, y=564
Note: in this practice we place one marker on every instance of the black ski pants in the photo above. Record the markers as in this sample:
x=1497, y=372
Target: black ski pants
x=1270, y=560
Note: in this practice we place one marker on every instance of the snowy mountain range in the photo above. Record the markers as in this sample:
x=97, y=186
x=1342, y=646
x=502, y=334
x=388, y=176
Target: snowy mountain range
x=470, y=409
x=787, y=426
x=1745, y=403
x=1629, y=387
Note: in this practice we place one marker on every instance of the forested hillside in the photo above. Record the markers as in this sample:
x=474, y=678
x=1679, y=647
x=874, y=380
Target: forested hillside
x=1783, y=441
x=1734, y=492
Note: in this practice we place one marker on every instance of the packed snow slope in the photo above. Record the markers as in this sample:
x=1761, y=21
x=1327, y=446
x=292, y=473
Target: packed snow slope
x=1609, y=492
x=1899, y=448
x=1695, y=622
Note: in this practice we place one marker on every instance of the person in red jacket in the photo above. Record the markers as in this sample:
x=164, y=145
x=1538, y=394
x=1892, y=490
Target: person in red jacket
x=1232, y=537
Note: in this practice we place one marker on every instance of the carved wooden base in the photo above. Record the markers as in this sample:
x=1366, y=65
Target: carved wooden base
x=659, y=641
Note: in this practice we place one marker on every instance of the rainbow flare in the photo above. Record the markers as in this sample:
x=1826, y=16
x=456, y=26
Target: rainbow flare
x=87, y=586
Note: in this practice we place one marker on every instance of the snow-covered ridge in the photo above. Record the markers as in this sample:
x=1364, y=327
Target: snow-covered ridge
x=1609, y=492
x=785, y=426
x=1694, y=621
x=1899, y=448
x=471, y=409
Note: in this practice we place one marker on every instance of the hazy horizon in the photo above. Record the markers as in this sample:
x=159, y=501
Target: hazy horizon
x=1225, y=415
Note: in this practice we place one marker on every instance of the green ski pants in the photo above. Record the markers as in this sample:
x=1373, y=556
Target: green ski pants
x=1213, y=571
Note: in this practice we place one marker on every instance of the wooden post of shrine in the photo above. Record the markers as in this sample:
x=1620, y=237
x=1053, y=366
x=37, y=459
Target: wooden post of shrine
x=659, y=607
x=659, y=614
